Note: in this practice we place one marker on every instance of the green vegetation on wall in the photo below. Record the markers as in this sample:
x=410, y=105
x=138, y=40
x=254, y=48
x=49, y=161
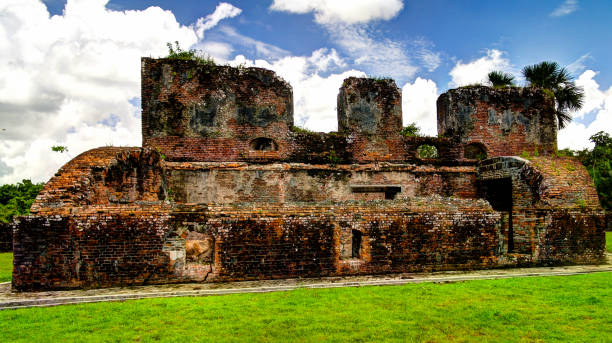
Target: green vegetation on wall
x=16, y=200
x=175, y=52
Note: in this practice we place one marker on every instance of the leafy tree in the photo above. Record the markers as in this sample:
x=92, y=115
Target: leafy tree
x=16, y=200
x=427, y=151
x=499, y=79
x=412, y=130
x=557, y=80
x=599, y=164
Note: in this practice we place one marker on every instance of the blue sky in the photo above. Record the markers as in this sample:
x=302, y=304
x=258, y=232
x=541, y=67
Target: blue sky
x=71, y=69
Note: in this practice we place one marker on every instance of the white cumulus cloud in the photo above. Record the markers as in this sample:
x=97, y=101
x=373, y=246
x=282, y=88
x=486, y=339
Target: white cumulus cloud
x=379, y=56
x=341, y=11
x=419, y=105
x=74, y=79
x=599, y=102
x=476, y=71
x=314, y=95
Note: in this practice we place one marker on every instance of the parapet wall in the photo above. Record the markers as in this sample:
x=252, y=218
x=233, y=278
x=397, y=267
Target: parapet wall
x=504, y=122
x=219, y=243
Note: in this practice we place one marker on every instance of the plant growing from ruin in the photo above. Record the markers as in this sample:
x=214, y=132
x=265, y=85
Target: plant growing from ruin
x=59, y=148
x=177, y=53
x=298, y=129
x=499, y=79
x=412, y=130
x=333, y=158
x=550, y=76
x=161, y=155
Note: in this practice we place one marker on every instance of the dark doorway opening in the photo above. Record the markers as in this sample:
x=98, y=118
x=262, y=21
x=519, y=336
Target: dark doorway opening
x=356, y=244
x=498, y=193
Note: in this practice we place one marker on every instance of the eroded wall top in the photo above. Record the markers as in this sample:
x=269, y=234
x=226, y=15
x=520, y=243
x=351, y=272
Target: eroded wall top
x=504, y=122
x=187, y=99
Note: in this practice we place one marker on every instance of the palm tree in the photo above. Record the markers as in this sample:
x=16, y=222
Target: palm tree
x=550, y=76
x=499, y=79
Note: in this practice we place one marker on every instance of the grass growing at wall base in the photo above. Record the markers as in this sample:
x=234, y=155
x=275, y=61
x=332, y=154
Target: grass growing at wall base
x=569, y=308
x=609, y=241
x=6, y=266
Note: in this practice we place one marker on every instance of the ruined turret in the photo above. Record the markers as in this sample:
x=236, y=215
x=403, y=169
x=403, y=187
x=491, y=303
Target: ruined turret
x=498, y=122
x=204, y=112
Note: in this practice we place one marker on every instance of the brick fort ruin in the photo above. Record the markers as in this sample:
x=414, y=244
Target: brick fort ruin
x=226, y=188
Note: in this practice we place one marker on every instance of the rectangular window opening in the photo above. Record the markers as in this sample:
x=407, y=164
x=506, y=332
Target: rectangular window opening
x=356, y=244
x=390, y=191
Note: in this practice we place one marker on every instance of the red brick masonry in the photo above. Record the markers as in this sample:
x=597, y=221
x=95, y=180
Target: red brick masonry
x=226, y=188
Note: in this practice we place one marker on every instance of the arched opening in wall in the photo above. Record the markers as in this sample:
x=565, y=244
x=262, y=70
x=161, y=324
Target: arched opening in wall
x=475, y=151
x=356, y=244
x=263, y=144
x=427, y=151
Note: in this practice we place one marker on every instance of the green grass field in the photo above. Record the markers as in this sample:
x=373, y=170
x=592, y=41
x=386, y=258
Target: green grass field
x=570, y=308
x=563, y=308
x=609, y=241
x=6, y=266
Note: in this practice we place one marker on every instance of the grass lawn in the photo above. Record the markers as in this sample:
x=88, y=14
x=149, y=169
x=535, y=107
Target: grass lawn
x=6, y=266
x=563, y=308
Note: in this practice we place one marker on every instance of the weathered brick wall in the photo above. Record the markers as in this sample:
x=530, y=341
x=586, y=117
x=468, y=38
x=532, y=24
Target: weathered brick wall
x=212, y=113
x=556, y=214
x=227, y=183
x=6, y=237
x=103, y=176
x=370, y=106
x=506, y=121
x=90, y=250
x=227, y=189
x=197, y=113
x=194, y=243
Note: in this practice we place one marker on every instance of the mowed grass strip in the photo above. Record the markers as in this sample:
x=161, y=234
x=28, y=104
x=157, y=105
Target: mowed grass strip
x=609, y=241
x=6, y=266
x=568, y=308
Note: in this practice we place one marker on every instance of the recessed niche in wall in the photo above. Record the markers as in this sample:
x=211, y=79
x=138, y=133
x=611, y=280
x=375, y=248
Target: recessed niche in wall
x=263, y=144
x=475, y=151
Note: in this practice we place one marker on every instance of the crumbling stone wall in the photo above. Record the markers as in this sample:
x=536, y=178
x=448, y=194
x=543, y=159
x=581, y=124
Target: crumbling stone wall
x=227, y=183
x=556, y=215
x=226, y=188
x=216, y=111
x=105, y=177
x=506, y=121
x=256, y=241
x=198, y=113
